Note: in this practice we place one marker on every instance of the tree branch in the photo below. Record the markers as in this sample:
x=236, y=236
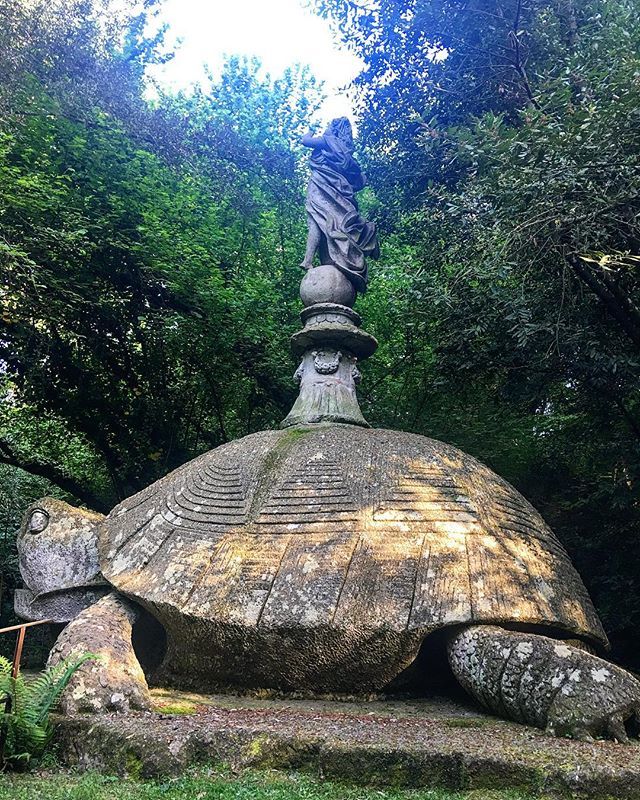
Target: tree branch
x=628, y=417
x=518, y=63
x=629, y=324
x=52, y=473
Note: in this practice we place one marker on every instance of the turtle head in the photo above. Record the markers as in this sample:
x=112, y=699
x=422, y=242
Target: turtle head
x=59, y=561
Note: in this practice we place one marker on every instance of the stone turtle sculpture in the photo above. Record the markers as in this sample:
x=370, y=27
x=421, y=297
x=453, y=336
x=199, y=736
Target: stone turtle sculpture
x=328, y=558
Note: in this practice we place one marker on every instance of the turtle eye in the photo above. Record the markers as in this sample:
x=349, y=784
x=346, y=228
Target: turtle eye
x=38, y=521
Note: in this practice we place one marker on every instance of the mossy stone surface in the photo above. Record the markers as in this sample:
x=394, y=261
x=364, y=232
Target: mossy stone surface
x=427, y=743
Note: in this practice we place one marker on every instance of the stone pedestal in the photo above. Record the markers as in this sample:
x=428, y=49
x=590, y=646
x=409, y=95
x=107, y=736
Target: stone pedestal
x=329, y=345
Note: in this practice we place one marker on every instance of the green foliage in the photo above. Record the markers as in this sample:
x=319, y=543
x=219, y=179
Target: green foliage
x=219, y=784
x=502, y=140
x=149, y=265
x=25, y=725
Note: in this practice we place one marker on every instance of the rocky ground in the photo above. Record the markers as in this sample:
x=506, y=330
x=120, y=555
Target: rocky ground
x=405, y=743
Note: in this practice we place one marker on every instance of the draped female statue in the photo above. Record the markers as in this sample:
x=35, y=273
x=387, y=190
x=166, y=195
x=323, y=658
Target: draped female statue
x=337, y=232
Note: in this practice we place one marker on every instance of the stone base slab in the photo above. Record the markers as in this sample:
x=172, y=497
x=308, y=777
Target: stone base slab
x=405, y=743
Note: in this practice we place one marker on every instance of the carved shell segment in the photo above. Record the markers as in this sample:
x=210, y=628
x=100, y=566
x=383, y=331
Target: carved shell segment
x=341, y=527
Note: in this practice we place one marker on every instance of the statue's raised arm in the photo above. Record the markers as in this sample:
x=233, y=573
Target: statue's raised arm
x=337, y=232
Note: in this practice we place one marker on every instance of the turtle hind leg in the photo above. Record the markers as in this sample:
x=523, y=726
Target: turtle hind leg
x=545, y=682
x=114, y=681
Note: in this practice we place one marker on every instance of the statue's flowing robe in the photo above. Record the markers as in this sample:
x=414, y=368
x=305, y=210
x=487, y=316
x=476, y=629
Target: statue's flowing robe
x=332, y=205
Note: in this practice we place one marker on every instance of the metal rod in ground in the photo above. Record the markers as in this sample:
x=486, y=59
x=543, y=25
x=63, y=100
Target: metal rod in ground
x=17, y=653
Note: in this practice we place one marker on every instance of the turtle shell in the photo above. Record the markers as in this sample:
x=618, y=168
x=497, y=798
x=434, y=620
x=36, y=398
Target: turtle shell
x=320, y=558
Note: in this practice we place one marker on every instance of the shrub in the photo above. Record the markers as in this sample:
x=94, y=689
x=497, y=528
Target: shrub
x=25, y=728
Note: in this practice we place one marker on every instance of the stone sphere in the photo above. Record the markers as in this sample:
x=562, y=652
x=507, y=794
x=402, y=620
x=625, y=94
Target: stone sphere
x=326, y=284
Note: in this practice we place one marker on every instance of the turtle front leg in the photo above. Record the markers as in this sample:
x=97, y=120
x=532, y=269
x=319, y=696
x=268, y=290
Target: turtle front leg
x=544, y=682
x=114, y=681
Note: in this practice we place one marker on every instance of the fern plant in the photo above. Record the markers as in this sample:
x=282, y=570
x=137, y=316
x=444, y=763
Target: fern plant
x=25, y=728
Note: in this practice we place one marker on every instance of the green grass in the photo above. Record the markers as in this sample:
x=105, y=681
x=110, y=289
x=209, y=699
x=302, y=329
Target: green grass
x=213, y=784
x=179, y=708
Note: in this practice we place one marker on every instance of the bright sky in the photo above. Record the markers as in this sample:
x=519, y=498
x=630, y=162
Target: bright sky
x=279, y=32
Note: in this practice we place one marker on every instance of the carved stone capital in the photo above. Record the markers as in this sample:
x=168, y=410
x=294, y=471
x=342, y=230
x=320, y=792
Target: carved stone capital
x=327, y=389
x=329, y=345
